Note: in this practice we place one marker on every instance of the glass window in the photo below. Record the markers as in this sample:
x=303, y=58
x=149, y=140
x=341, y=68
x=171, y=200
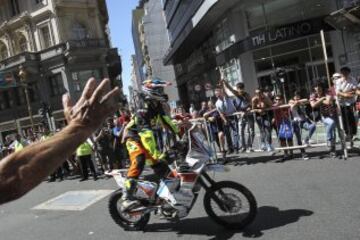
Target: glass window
x=79, y=32
x=80, y=78
x=45, y=36
x=223, y=36
x=15, y=10
x=33, y=92
x=5, y=100
x=56, y=85
x=231, y=72
x=19, y=95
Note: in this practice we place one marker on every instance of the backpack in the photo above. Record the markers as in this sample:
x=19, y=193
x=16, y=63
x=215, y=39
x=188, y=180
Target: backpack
x=285, y=130
x=241, y=103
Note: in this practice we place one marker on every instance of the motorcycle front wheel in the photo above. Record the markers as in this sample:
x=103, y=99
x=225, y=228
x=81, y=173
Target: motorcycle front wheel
x=230, y=204
x=129, y=222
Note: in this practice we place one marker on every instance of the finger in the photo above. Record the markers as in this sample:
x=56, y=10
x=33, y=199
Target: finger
x=100, y=90
x=89, y=89
x=111, y=95
x=66, y=101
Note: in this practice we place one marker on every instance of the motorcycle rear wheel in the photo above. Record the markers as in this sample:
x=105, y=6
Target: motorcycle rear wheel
x=219, y=196
x=120, y=217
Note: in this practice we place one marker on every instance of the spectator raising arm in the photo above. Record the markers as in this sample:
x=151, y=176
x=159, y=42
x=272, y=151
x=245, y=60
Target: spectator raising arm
x=22, y=171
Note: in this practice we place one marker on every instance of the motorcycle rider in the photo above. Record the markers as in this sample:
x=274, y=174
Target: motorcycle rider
x=139, y=137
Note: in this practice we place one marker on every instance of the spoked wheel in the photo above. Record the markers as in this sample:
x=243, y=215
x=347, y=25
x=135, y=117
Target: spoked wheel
x=230, y=204
x=128, y=221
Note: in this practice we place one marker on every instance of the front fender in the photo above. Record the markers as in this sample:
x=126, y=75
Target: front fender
x=216, y=168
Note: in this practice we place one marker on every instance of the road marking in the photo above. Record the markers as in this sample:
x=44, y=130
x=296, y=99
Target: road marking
x=73, y=200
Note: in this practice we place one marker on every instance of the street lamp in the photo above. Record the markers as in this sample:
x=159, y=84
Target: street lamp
x=23, y=78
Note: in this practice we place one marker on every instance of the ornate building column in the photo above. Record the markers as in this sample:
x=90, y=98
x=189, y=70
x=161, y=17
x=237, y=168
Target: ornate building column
x=31, y=38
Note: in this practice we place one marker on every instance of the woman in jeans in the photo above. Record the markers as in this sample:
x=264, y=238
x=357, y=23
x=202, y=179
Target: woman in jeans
x=326, y=104
x=259, y=105
x=300, y=121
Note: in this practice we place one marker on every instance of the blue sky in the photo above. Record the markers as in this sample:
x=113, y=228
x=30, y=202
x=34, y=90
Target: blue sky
x=120, y=27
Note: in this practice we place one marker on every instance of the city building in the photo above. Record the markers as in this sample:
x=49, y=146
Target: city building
x=50, y=47
x=250, y=41
x=151, y=43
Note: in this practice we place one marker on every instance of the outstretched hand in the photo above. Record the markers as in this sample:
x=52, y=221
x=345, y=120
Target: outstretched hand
x=94, y=106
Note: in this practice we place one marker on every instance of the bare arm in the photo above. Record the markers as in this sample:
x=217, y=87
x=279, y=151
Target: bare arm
x=22, y=171
x=315, y=103
x=232, y=90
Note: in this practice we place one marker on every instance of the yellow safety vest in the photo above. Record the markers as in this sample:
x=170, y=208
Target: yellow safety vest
x=84, y=149
x=18, y=146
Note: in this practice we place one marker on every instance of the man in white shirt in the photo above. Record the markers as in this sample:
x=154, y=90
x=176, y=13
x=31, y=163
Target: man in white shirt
x=226, y=109
x=346, y=92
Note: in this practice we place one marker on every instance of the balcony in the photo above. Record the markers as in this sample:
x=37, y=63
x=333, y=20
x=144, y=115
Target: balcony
x=86, y=43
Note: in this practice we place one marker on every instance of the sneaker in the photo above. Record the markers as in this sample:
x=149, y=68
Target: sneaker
x=249, y=150
x=230, y=151
x=126, y=204
x=243, y=150
x=333, y=154
x=305, y=157
x=307, y=141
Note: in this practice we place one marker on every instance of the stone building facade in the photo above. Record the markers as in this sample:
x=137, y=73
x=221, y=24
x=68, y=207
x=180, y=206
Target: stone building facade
x=59, y=44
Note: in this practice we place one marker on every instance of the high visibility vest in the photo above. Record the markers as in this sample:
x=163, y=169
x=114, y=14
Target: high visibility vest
x=84, y=149
x=18, y=146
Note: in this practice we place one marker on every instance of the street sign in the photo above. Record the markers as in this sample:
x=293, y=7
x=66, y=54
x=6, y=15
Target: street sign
x=7, y=80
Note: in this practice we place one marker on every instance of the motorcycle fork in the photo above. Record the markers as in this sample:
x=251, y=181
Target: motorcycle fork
x=207, y=183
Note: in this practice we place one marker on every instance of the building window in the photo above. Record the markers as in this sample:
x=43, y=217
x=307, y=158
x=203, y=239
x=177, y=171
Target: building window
x=80, y=78
x=79, y=32
x=33, y=92
x=223, y=36
x=19, y=95
x=46, y=36
x=56, y=85
x=4, y=100
x=232, y=72
x=15, y=10
x=3, y=52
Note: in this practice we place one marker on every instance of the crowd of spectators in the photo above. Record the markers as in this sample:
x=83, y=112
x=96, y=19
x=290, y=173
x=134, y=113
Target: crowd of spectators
x=230, y=122
x=230, y=118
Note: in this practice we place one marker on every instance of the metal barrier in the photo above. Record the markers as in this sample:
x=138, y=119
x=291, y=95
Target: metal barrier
x=264, y=131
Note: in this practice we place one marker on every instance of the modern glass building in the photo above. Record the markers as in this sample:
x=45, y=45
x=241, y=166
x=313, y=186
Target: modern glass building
x=251, y=40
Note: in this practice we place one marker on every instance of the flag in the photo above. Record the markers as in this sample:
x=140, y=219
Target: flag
x=7, y=80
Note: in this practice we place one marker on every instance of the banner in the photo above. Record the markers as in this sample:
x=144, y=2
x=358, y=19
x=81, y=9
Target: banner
x=7, y=80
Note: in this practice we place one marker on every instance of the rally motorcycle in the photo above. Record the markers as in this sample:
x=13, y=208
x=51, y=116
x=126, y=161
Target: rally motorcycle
x=228, y=203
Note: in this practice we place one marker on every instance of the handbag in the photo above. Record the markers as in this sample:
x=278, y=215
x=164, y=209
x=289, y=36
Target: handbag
x=285, y=130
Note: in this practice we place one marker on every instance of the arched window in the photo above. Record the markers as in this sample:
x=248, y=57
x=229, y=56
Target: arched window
x=78, y=31
x=3, y=51
x=22, y=43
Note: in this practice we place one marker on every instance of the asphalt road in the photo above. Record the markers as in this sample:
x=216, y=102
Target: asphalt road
x=314, y=199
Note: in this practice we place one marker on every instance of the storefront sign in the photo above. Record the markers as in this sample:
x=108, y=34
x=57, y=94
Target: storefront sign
x=276, y=34
x=281, y=34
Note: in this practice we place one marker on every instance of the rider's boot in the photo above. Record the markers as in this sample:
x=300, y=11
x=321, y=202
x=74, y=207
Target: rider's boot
x=128, y=197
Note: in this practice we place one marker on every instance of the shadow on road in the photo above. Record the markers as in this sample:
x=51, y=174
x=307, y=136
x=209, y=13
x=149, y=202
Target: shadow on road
x=271, y=217
x=247, y=159
x=267, y=218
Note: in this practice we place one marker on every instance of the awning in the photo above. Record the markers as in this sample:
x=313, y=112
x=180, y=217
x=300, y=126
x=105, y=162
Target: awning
x=346, y=19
